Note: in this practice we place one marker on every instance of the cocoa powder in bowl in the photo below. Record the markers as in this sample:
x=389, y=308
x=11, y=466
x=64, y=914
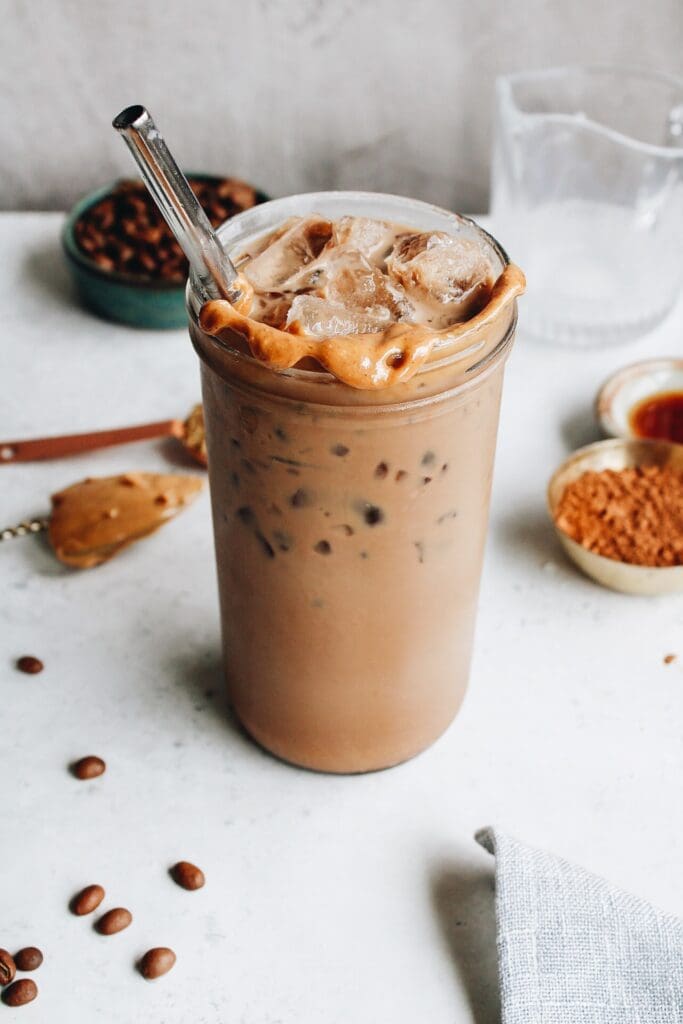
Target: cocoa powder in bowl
x=632, y=515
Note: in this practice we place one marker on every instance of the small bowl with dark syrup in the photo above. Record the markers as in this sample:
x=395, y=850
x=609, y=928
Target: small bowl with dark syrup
x=644, y=400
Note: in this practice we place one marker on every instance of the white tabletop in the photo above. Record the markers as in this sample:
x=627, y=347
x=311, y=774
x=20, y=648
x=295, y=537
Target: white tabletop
x=330, y=900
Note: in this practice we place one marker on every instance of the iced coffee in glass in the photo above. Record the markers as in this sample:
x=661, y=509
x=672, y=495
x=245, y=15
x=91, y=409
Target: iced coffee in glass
x=351, y=398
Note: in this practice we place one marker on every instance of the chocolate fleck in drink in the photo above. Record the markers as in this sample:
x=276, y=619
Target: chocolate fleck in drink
x=351, y=399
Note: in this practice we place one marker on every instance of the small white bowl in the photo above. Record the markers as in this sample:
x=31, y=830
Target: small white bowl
x=617, y=454
x=628, y=387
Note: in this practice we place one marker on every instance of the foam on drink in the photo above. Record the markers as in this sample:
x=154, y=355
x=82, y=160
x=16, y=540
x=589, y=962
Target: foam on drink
x=367, y=299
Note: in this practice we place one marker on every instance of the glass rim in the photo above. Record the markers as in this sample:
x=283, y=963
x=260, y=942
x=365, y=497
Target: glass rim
x=504, y=84
x=232, y=226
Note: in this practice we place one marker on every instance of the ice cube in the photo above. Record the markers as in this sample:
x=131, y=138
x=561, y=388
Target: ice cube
x=282, y=264
x=351, y=281
x=310, y=314
x=439, y=270
x=371, y=238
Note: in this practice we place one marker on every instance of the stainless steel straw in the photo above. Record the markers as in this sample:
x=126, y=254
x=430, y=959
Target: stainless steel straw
x=178, y=204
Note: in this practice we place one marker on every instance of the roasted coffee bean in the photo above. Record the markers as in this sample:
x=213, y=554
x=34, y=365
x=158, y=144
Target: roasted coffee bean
x=156, y=962
x=89, y=767
x=187, y=875
x=30, y=665
x=87, y=900
x=125, y=232
x=28, y=959
x=114, y=921
x=8, y=968
x=20, y=993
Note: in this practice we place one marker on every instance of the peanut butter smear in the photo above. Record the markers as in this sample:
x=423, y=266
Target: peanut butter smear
x=93, y=520
x=370, y=301
x=194, y=437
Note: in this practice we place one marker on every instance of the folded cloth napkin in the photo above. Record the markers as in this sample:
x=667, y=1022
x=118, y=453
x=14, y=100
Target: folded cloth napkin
x=573, y=949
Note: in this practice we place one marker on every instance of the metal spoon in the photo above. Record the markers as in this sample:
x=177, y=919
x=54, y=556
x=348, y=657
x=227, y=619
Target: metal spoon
x=178, y=204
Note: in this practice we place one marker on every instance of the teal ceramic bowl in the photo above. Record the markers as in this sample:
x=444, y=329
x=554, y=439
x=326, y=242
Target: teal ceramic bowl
x=123, y=297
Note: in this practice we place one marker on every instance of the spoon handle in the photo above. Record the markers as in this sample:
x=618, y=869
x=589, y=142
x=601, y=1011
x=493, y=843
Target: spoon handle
x=72, y=444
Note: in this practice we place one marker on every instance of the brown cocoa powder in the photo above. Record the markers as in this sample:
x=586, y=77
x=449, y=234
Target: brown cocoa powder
x=632, y=515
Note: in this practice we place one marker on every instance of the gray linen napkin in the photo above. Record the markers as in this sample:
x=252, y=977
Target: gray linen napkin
x=573, y=949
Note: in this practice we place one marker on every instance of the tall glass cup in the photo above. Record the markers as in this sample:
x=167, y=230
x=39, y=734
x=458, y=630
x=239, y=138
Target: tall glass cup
x=349, y=526
x=587, y=188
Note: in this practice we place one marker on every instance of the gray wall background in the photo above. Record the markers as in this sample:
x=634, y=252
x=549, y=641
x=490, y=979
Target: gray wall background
x=393, y=95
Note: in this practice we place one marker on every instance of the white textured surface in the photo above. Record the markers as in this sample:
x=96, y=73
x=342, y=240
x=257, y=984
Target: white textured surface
x=329, y=900
x=295, y=95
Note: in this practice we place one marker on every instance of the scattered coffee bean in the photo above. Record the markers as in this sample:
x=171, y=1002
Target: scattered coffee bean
x=381, y=470
x=89, y=767
x=669, y=659
x=20, y=993
x=400, y=475
x=30, y=665
x=187, y=876
x=8, y=967
x=281, y=434
x=87, y=900
x=339, y=449
x=323, y=547
x=428, y=458
x=426, y=479
x=28, y=959
x=156, y=962
x=114, y=921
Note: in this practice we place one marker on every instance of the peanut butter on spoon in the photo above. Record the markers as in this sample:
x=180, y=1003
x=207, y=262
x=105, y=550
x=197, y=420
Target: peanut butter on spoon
x=93, y=520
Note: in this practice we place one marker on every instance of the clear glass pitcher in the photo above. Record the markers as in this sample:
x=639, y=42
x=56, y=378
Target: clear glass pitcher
x=587, y=190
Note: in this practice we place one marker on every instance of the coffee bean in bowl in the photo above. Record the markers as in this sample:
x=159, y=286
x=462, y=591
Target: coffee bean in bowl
x=124, y=259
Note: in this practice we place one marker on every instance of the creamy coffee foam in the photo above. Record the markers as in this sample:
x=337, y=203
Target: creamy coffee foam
x=367, y=299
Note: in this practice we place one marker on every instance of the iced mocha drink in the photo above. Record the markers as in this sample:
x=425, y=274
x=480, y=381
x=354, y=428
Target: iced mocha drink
x=351, y=401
